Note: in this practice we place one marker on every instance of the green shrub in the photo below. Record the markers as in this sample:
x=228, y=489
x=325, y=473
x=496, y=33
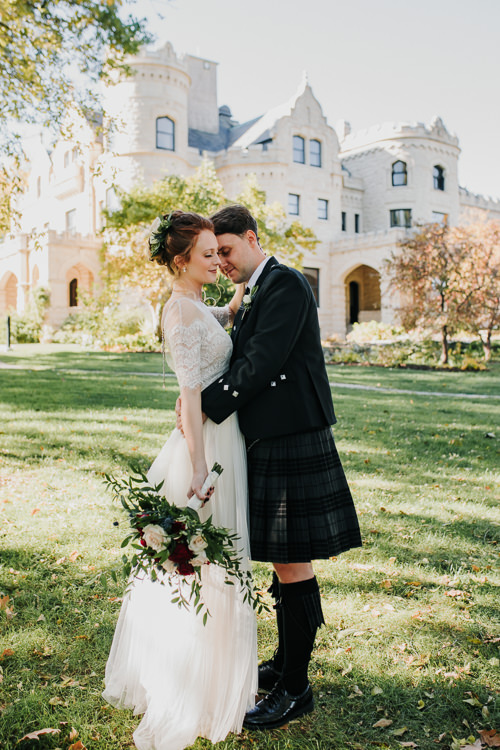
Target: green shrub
x=26, y=327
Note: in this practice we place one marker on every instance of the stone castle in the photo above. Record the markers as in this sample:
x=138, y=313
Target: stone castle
x=359, y=191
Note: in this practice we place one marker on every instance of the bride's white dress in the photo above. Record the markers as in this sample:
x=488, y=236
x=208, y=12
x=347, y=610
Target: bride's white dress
x=190, y=680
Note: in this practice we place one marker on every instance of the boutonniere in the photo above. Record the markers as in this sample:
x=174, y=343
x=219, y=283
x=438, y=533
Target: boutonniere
x=248, y=299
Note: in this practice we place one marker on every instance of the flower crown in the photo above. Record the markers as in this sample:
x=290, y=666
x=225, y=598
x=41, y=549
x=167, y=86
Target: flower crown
x=159, y=230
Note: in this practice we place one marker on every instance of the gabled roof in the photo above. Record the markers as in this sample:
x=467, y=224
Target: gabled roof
x=261, y=129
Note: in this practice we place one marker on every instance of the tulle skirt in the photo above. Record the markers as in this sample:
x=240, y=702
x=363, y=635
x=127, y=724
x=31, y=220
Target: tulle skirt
x=189, y=680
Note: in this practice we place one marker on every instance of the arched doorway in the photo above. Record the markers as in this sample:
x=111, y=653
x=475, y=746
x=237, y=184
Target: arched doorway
x=73, y=293
x=8, y=292
x=353, y=302
x=363, y=298
x=79, y=280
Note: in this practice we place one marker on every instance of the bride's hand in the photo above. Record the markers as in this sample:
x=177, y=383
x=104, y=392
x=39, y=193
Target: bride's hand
x=197, y=483
x=237, y=299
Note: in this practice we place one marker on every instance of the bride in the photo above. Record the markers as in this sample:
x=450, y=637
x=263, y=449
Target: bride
x=190, y=680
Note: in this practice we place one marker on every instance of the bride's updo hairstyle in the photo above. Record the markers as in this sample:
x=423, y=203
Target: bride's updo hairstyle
x=174, y=235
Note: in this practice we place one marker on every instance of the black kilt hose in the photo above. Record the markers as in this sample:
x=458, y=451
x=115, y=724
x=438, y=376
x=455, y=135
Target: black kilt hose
x=301, y=507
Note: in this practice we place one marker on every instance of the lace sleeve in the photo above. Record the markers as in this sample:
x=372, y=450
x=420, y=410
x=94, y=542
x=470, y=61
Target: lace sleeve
x=183, y=331
x=222, y=315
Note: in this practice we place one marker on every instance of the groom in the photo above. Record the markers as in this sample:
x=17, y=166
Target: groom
x=299, y=501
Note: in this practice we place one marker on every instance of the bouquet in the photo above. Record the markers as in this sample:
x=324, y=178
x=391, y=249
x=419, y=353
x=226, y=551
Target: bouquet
x=173, y=543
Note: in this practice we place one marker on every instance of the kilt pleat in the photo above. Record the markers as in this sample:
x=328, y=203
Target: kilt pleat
x=301, y=507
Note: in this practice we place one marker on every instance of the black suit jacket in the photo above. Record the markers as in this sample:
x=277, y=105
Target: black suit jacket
x=277, y=379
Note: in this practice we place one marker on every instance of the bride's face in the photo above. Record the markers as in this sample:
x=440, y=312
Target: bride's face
x=203, y=262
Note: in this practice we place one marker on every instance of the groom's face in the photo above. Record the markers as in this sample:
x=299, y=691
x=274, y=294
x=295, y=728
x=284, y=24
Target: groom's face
x=239, y=255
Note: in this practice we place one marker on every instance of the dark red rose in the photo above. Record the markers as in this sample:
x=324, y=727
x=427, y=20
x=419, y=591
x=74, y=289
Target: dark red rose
x=185, y=569
x=143, y=543
x=181, y=553
x=178, y=526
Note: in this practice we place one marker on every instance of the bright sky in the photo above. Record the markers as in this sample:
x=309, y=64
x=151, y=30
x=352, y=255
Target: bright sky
x=368, y=61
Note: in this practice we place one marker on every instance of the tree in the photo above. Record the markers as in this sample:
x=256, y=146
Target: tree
x=125, y=255
x=125, y=258
x=53, y=52
x=52, y=55
x=481, y=308
x=429, y=272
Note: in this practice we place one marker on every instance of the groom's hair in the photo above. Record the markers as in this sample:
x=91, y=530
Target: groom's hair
x=234, y=219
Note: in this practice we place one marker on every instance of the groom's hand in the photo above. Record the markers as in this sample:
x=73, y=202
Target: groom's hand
x=178, y=414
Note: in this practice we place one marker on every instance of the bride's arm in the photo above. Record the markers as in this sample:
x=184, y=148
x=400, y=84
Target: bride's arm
x=235, y=303
x=192, y=425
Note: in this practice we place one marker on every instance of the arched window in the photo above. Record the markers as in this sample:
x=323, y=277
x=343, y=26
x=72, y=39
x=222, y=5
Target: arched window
x=399, y=174
x=438, y=175
x=299, y=149
x=165, y=133
x=315, y=153
x=73, y=293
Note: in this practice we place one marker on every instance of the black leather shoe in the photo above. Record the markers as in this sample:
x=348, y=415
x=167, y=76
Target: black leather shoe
x=278, y=708
x=268, y=675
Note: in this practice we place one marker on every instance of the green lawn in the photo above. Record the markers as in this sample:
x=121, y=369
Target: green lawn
x=413, y=618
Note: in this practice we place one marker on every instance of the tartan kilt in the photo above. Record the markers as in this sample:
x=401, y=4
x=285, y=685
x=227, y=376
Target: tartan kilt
x=301, y=507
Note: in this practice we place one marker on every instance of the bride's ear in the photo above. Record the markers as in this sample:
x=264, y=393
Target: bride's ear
x=180, y=262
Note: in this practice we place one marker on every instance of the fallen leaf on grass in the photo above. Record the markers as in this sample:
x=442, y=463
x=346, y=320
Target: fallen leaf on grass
x=399, y=732
x=73, y=734
x=408, y=744
x=56, y=701
x=77, y=746
x=74, y=556
x=490, y=737
x=5, y=653
x=39, y=733
x=383, y=723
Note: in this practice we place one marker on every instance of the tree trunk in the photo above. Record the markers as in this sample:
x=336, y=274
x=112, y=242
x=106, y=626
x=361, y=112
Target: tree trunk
x=444, y=346
x=487, y=346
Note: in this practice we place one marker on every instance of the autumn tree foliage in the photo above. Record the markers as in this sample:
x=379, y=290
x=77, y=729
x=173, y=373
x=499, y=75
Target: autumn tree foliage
x=125, y=255
x=447, y=281
x=481, y=311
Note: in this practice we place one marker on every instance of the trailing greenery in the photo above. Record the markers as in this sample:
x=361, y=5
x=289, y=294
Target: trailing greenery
x=409, y=653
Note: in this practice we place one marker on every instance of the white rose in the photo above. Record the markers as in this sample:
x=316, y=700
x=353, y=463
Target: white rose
x=247, y=299
x=200, y=559
x=197, y=543
x=155, y=537
x=168, y=566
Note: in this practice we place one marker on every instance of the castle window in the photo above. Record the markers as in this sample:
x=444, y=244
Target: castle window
x=322, y=208
x=438, y=217
x=293, y=204
x=71, y=221
x=73, y=293
x=399, y=174
x=315, y=153
x=438, y=175
x=165, y=133
x=312, y=275
x=356, y=223
x=401, y=217
x=344, y=221
x=299, y=149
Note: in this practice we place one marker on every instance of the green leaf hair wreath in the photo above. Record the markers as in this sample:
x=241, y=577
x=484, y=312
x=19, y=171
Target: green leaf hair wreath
x=159, y=230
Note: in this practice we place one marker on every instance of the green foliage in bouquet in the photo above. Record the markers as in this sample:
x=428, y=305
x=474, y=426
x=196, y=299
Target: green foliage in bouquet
x=172, y=543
